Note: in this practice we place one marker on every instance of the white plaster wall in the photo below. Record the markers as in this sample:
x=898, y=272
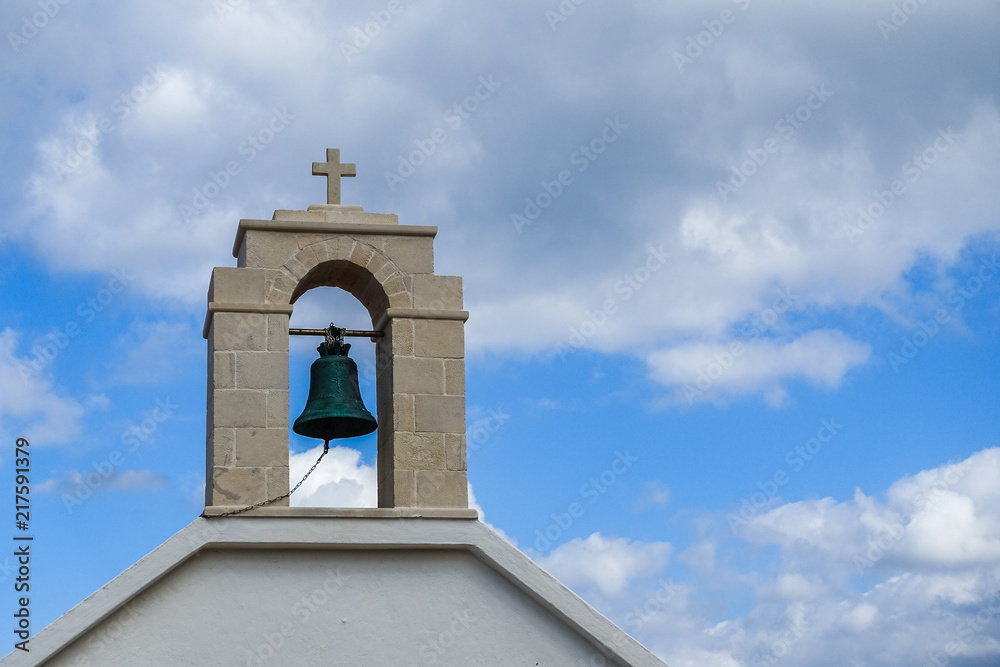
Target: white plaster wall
x=303, y=607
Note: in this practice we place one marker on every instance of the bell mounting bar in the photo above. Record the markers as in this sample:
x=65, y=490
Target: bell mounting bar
x=345, y=332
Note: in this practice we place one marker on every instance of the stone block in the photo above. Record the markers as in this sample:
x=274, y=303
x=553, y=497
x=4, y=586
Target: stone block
x=238, y=331
x=383, y=463
x=401, y=332
x=402, y=413
x=454, y=377
x=455, y=451
x=337, y=247
x=261, y=447
x=223, y=447
x=277, y=485
x=441, y=488
x=280, y=288
x=222, y=370
x=439, y=338
x=239, y=408
x=277, y=409
x=295, y=268
x=439, y=414
x=419, y=451
x=410, y=254
x=238, y=486
x=276, y=294
x=401, y=492
x=306, y=254
x=269, y=249
x=397, y=293
x=277, y=333
x=384, y=271
x=371, y=294
x=261, y=370
x=361, y=253
x=437, y=292
x=416, y=375
x=229, y=285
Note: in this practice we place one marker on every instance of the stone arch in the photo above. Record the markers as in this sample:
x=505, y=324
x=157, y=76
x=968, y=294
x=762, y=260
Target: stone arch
x=356, y=280
x=358, y=268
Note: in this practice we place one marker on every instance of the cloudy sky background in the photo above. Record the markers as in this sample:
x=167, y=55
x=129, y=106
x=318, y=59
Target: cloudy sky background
x=731, y=268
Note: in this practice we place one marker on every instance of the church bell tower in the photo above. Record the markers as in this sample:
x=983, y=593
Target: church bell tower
x=420, y=367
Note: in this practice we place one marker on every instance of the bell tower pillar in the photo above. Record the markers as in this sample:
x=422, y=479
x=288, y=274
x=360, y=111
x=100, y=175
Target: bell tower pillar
x=420, y=367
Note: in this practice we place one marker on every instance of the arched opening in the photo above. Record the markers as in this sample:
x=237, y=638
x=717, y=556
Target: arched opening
x=352, y=278
x=347, y=476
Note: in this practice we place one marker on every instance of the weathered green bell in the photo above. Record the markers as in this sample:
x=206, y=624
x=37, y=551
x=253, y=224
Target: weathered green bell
x=334, y=408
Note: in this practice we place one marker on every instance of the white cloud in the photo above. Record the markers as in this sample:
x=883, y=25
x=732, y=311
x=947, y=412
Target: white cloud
x=944, y=517
x=341, y=480
x=29, y=404
x=784, y=227
x=610, y=564
x=474, y=504
x=711, y=371
x=854, y=582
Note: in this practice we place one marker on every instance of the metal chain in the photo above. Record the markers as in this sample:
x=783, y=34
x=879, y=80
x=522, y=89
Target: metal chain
x=326, y=448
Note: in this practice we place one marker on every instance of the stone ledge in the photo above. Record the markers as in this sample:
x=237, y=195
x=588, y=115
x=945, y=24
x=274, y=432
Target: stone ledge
x=335, y=213
x=316, y=224
x=350, y=512
x=419, y=314
x=261, y=308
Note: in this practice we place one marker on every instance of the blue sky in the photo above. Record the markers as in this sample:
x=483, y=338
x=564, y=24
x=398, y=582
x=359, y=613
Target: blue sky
x=731, y=268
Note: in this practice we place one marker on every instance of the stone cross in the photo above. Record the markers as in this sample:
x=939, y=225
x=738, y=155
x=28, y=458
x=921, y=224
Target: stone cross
x=333, y=170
